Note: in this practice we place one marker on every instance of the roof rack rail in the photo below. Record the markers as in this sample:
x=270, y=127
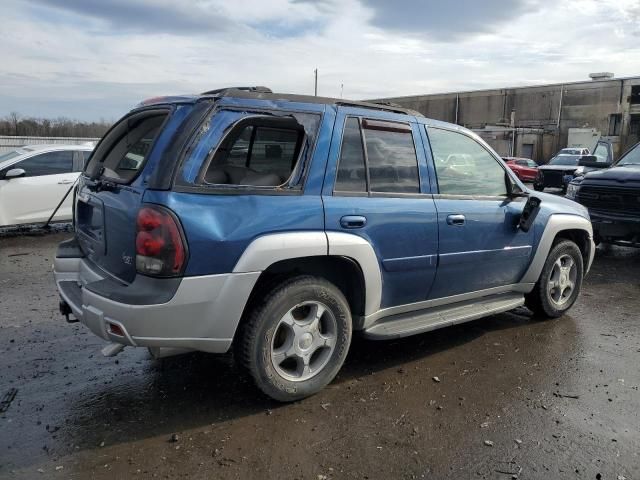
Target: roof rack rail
x=257, y=89
x=390, y=107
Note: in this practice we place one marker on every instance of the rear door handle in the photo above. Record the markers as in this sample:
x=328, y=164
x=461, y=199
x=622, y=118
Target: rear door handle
x=457, y=220
x=353, y=221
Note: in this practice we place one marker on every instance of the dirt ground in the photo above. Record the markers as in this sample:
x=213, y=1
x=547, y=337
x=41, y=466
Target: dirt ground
x=515, y=397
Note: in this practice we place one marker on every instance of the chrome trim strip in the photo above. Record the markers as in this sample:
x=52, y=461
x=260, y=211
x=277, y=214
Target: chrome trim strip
x=507, y=252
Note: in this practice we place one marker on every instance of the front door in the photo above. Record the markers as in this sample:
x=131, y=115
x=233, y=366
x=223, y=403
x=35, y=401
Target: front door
x=481, y=246
x=377, y=187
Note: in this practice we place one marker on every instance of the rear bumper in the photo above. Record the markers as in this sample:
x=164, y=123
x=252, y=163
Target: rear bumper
x=202, y=314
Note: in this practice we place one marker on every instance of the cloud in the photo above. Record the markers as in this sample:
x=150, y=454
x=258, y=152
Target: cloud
x=87, y=61
x=146, y=15
x=446, y=20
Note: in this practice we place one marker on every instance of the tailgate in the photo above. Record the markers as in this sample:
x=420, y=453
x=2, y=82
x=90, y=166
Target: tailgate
x=110, y=191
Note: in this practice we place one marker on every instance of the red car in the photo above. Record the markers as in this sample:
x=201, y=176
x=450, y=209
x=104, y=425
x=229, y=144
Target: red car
x=525, y=168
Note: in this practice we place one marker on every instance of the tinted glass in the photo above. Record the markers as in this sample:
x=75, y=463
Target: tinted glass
x=393, y=165
x=351, y=172
x=51, y=163
x=122, y=153
x=565, y=160
x=464, y=167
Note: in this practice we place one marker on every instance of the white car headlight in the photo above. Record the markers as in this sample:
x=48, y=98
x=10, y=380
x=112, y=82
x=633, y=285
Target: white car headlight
x=572, y=190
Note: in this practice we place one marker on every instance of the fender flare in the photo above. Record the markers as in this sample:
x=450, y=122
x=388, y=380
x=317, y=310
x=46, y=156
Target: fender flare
x=558, y=223
x=268, y=249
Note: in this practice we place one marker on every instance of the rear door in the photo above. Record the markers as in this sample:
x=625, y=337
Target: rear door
x=480, y=244
x=377, y=187
x=33, y=197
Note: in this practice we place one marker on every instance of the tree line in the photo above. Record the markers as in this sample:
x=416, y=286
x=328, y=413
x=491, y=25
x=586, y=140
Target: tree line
x=15, y=124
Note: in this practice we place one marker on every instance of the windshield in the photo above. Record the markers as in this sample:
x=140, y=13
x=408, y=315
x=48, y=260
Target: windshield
x=570, y=151
x=632, y=157
x=12, y=154
x=565, y=160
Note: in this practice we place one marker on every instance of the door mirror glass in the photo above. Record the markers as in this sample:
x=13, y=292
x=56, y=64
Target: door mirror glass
x=15, y=173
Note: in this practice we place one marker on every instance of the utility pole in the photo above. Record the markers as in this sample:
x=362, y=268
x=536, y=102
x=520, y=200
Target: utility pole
x=341, y=89
x=315, y=89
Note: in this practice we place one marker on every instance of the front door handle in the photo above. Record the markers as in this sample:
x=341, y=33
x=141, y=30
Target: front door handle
x=65, y=182
x=353, y=221
x=457, y=220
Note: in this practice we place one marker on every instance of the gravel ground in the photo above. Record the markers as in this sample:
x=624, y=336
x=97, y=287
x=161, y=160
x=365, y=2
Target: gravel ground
x=515, y=397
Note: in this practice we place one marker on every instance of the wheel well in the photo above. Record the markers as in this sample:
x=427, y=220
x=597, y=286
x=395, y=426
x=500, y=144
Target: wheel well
x=343, y=272
x=580, y=238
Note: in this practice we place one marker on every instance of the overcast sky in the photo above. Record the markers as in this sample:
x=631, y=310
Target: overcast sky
x=92, y=59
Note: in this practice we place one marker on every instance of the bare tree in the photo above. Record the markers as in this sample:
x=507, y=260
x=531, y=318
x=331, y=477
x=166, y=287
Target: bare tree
x=15, y=120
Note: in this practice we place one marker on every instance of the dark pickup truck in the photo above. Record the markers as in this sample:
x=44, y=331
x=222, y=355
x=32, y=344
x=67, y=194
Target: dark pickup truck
x=612, y=196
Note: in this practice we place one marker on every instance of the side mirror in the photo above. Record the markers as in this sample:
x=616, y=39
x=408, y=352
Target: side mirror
x=15, y=173
x=591, y=161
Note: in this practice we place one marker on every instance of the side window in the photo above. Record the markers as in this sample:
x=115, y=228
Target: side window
x=602, y=153
x=522, y=163
x=51, y=163
x=257, y=152
x=391, y=158
x=79, y=160
x=389, y=155
x=463, y=166
x=532, y=164
x=351, y=175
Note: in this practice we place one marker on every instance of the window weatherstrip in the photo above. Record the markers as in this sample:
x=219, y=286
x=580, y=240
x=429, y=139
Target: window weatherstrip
x=363, y=141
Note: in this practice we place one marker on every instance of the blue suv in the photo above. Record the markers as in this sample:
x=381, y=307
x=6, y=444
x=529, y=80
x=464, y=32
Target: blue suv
x=280, y=224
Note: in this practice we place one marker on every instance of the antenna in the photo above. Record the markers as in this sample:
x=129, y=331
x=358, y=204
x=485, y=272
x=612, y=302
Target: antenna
x=315, y=89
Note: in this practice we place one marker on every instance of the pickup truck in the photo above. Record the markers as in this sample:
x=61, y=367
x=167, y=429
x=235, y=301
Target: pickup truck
x=613, y=199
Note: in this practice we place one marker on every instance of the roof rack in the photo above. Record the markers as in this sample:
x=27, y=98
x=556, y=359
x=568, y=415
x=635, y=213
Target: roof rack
x=266, y=93
x=257, y=89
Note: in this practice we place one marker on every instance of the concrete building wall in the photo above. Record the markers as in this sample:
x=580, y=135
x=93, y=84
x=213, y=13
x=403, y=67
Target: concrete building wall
x=550, y=109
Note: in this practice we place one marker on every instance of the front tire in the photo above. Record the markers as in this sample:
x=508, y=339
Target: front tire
x=560, y=281
x=296, y=338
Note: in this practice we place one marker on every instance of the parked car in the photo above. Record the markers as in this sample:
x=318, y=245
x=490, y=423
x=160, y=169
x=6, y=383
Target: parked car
x=524, y=168
x=35, y=178
x=338, y=217
x=574, y=151
x=563, y=168
x=613, y=199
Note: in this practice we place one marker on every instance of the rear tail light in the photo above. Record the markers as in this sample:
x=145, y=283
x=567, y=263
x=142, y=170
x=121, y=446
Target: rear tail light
x=160, y=246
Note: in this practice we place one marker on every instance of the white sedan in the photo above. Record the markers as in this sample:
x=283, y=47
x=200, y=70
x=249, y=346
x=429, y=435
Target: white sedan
x=33, y=180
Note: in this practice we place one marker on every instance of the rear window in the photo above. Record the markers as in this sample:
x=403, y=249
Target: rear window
x=124, y=150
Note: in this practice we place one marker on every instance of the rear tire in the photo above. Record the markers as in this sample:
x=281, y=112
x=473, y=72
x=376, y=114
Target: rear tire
x=560, y=281
x=296, y=338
